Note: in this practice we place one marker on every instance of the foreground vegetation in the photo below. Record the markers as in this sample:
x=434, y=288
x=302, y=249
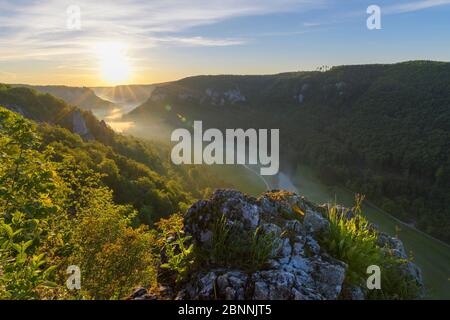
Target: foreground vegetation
x=56, y=214
x=57, y=208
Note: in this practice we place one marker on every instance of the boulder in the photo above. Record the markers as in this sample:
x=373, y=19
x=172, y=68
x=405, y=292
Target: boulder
x=298, y=268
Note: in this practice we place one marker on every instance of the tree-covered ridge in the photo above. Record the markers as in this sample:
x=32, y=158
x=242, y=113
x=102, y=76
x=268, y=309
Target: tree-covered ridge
x=56, y=212
x=138, y=172
x=383, y=130
x=82, y=97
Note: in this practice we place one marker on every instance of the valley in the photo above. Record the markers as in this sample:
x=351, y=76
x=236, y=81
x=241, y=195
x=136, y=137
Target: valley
x=430, y=254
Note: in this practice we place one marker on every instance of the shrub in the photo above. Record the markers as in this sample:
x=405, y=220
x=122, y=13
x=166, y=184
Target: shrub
x=175, y=247
x=113, y=257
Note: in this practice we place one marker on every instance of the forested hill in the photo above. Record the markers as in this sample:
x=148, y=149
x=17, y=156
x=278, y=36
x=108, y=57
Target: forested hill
x=138, y=172
x=382, y=130
x=57, y=216
x=78, y=96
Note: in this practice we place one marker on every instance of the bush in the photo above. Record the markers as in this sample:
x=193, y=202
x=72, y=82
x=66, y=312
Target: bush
x=395, y=284
x=113, y=257
x=175, y=247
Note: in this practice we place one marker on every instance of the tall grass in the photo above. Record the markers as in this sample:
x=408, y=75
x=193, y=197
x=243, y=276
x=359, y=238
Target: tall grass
x=351, y=240
x=232, y=247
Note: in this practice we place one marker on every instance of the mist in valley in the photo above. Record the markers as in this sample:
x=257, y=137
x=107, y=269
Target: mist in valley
x=244, y=177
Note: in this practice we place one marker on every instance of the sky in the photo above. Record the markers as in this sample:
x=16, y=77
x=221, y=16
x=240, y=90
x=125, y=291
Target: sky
x=150, y=41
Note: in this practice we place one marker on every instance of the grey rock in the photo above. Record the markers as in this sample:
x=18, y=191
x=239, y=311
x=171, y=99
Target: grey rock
x=330, y=278
x=271, y=228
x=353, y=293
x=231, y=285
x=206, y=285
x=315, y=222
x=298, y=268
x=278, y=285
x=294, y=226
x=80, y=127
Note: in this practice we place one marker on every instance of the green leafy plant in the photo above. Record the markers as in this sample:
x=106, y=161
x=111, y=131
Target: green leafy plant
x=22, y=274
x=176, y=247
x=179, y=256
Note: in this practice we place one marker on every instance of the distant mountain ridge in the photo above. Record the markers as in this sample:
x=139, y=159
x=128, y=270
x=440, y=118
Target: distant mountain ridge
x=44, y=107
x=383, y=130
x=82, y=97
x=128, y=94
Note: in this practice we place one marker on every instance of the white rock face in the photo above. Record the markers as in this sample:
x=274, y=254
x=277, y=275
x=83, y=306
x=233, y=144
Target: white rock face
x=305, y=87
x=79, y=125
x=186, y=96
x=211, y=93
x=234, y=96
x=217, y=98
x=16, y=109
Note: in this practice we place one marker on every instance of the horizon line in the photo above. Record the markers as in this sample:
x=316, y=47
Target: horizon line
x=218, y=75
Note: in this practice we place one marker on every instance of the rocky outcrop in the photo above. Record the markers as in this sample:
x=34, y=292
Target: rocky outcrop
x=79, y=126
x=210, y=96
x=298, y=267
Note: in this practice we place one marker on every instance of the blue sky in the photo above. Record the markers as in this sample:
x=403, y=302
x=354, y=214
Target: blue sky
x=161, y=40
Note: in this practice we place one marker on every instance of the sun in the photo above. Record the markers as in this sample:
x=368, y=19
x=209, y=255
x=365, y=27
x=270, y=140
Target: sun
x=113, y=62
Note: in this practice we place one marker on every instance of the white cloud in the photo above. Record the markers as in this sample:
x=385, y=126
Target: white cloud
x=37, y=29
x=200, y=41
x=415, y=6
